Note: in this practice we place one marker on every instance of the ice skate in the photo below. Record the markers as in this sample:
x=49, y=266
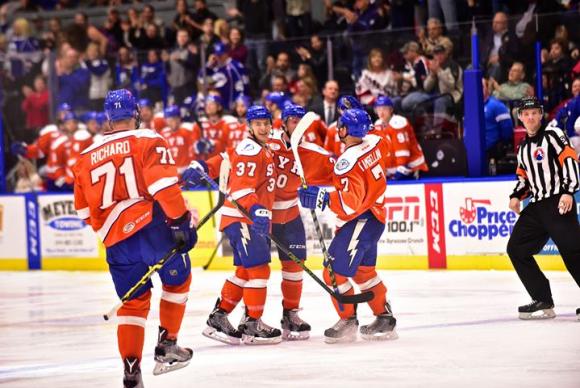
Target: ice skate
x=220, y=329
x=537, y=310
x=382, y=328
x=293, y=327
x=343, y=331
x=132, y=378
x=578, y=313
x=168, y=355
x=256, y=332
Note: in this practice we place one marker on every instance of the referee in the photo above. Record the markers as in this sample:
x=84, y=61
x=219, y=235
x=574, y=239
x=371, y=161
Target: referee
x=548, y=175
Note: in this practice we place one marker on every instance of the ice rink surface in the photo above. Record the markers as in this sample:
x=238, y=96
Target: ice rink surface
x=457, y=329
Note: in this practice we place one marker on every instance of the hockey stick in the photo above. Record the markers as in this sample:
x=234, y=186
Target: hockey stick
x=295, y=140
x=344, y=299
x=214, y=253
x=154, y=268
x=224, y=176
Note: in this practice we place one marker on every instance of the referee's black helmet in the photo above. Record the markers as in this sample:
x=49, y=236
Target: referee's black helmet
x=529, y=103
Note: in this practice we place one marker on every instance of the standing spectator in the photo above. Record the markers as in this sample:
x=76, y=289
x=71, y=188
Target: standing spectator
x=376, y=79
x=327, y=109
x=415, y=73
x=35, y=106
x=515, y=88
x=23, y=51
x=306, y=94
x=444, y=80
x=500, y=48
x=434, y=37
x=279, y=84
x=208, y=38
x=499, y=128
x=237, y=49
x=298, y=19
x=73, y=81
x=183, y=19
x=100, y=77
x=126, y=71
x=81, y=33
x=222, y=30
x=113, y=27
x=153, y=82
x=200, y=14
x=444, y=10
x=148, y=38
x=148, y=18
x=280, y=67
x=557, y=71
x=182, y=65
x=567, y=116
x=257, y=18
x=316, y=57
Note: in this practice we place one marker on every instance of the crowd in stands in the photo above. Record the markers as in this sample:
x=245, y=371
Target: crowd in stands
x=414, y=52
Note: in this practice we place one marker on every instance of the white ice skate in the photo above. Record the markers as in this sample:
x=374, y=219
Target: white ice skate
x=169, y=356
x=220, y=329
x=256, y=332
x=343, y=331
x=382, y=328
x=294, y=328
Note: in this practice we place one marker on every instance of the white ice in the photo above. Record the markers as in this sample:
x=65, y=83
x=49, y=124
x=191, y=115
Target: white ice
x=457, y=329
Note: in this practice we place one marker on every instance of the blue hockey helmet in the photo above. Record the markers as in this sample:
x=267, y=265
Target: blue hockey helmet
x=89, y=116
x=171, y=111
x=68, y=116
x=121, y=105
x=64, y=107
x=220, y=49
x=256, y=112
x=383, y=101
x=277, y=98
x=214, y=98
x=356, y=121
x=246, y=100
x=145, y=102
x=293, y=110
x=101, y=118
x=348, y=102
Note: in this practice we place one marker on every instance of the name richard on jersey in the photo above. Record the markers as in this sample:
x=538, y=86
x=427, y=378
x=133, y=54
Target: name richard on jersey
x=117, y=148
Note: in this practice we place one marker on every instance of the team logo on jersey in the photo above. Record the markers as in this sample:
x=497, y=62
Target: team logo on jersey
x=128, y=228
x=342, y=165
x=248, y=147
x=275, y=147
x=539, y=154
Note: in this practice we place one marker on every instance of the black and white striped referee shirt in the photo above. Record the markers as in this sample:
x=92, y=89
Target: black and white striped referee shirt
x=547, y=165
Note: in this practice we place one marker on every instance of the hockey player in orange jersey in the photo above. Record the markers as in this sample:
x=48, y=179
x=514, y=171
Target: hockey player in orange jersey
x=126, y=190
x=179, y=138
x=358, y=201
x=275, y=102
x=287, y=226
x=211, y=132
x=332, y=141
x=146, y=112
x=239, y=132
x=252, y=182
x=78, y=140
x=408, y=155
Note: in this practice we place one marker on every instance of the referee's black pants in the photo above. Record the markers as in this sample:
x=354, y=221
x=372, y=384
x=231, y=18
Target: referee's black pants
x=537, y=223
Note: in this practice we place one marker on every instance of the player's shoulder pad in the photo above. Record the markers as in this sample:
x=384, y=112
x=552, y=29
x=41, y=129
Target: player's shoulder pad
x=350, y=157
x=50, y=128
x=81, y=135
x=314, y=148
x=60, y=140
x=398, y=122
x=248, y=147
x=229, y=119
x=187, y=126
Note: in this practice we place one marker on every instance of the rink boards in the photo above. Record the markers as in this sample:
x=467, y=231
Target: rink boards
x=430, y=225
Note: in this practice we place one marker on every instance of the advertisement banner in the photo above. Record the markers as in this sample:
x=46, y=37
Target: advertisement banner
x=12, y=228
x=62, y=232
x=207, y=236
x=436, y=242
x=406, y=226
x=477, y=218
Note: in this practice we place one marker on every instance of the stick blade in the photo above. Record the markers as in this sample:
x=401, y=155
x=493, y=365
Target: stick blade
x=303, y=125
x=354, y=299
x=224, y=173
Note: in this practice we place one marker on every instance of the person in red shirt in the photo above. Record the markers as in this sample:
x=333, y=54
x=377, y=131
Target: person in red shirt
x=359, y=203
x=35, y=105
x=126, y=189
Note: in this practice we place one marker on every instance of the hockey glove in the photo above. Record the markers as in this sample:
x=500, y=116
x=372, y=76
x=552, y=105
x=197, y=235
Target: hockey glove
x=261, y=219
x=313, y=197
x=18, y=148
x=204, y=146
x=404, y=173
x=183, y=232
x=192, y=177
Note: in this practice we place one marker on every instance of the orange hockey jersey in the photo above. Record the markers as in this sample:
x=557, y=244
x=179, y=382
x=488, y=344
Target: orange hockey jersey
x=77, y=143
x=332, y=142
x=236, y=134
x=214, y=131
x=317, y=164
x=180, y=143
x=359, y=180
x=316, y=133
x=118, y=179
x=41, y=147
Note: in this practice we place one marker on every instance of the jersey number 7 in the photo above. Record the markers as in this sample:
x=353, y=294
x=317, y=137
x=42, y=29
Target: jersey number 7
x=109, y=172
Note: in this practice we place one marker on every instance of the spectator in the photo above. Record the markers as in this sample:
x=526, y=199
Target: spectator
x=280, y=67
x=100, y=73
x=148, y=18
x=81, y=33
x=334, y=21
x=126, y=71
x=316, y=57
x=415, y=72
x=112, y=26
x=257, y=21
x=327, y=109
x=500, y=48
x=183, y=19
x=238, y=50
x=499, y=128
x=153, y=81
x=222, y=30
x=23, y=51
x=376, y=79
x=200, y=14
x=445, y=80
x=557, y=71
x=306, y=93
x=567, y=116
x=304, y=71
x=444, y=10
x=279, y=84
x=182, y=67
x=73, y=81
x=35, y=106
x=148, y=38
x=208, y=38
x=515, y=88
x=298, y=19
x=434, y=37
x=28, y=179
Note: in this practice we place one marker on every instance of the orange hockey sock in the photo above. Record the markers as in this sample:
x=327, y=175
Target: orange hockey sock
x=131, y=320
x=368, y=280
x=233, y=290
x=344, y=288
x=172, y=307
x=291, y=284
x=255, y=290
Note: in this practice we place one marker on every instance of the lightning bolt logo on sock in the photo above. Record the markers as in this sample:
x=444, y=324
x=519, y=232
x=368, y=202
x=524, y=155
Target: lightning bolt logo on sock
x=354, y=240
x=245, y=236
